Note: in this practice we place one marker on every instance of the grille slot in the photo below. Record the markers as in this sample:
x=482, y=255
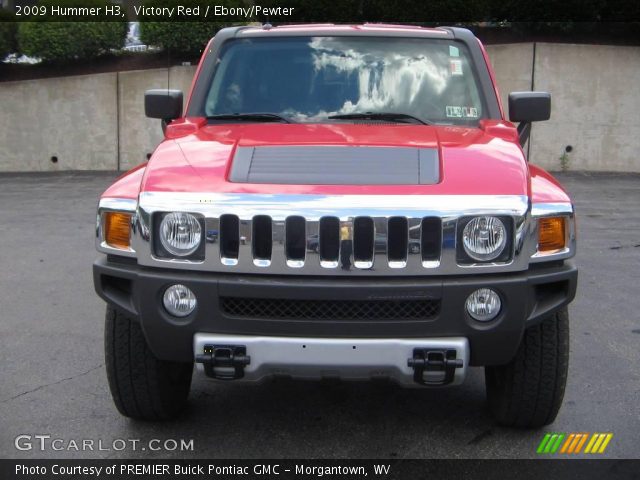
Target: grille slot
x=363, y=242
x=329, y=238
x=398, y=238
x=431, y=241
x=262, y=238
x=356, y=310
x=295, y=238
x=229, y=238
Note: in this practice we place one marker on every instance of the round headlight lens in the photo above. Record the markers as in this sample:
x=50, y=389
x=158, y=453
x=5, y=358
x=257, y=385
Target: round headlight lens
x=180, y=233
x=483, y=304
x=484, y=238
x=179, y=300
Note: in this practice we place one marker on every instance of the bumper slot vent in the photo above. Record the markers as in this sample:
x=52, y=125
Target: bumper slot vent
x=356, y=310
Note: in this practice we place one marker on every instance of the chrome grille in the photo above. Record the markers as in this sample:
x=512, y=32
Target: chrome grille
x=334, y=235
x=302, y=309
x=360, y=242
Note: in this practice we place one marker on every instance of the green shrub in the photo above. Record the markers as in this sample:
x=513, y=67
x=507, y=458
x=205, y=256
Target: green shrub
x=8, y=29
x=184, y=37
x=65, y=41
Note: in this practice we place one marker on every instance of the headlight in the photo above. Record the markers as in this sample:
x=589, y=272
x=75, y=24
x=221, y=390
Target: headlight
x=180, y=233
x=484, y=238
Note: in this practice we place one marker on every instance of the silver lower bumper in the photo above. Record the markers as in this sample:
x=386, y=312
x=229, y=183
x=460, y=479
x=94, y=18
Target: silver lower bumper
x=348, y=359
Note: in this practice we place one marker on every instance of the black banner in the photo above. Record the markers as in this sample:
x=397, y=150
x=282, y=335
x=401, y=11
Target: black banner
x=310, y=469
x=344, y=11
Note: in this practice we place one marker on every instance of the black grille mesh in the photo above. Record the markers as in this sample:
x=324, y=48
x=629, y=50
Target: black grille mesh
x=290, y=309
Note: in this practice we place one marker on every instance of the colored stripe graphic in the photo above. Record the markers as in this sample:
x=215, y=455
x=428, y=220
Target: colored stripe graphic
x=543, y=443
x=604, y=445
x=551, y=442
x=556, y=445
x=598, y=443
x=581, y=443
x=572, y=443
x=567, y=442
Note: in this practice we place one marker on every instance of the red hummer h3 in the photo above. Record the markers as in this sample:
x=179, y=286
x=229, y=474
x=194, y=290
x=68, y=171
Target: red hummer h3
x=339, y=202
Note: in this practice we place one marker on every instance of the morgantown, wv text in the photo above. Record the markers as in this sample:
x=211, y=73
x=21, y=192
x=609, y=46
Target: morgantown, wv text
x=161, y=470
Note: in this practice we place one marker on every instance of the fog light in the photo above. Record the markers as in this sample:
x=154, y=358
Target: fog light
x=179, y=301
x=483, y=304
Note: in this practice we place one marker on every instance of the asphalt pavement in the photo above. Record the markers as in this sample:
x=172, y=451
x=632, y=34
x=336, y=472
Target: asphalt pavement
x=53, y=382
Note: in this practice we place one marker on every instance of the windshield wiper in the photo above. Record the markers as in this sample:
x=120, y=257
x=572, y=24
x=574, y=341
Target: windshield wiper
x=383, y=116
x=257, y=116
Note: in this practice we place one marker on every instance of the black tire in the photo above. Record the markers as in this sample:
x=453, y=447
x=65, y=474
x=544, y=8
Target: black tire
x=142, y=386
x=527, y=392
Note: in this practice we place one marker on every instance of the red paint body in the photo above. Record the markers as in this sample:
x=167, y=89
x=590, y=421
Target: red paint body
x=488, y=160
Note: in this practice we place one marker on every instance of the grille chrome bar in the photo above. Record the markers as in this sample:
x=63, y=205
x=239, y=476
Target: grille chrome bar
x=333, y=235
x=245, y=248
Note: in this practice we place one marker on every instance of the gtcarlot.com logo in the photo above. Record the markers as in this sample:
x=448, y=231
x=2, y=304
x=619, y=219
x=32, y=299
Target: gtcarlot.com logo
x=574, y=443
x=47, y=442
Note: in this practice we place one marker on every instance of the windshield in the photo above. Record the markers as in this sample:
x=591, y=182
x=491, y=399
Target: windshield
x=309, y=79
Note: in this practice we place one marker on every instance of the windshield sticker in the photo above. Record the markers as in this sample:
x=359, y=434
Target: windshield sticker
x=453, y=51
x=456, y=67
x=453, y=111
x=470, y=112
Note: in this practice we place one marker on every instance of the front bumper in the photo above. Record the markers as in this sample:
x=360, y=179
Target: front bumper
x=527, y=297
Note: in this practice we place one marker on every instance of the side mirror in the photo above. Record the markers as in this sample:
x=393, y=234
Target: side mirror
x=163, y=104
x=527, y=107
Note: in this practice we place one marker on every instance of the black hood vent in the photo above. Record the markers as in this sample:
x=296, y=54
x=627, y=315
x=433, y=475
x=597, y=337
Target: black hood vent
x=335, y=165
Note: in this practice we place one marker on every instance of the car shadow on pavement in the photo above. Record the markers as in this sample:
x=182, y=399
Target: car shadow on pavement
x=298, y=419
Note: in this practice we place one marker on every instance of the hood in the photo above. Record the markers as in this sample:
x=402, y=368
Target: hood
x=450, y=160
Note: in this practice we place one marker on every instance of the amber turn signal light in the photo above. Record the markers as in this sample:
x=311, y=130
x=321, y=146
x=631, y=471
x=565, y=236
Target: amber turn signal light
x=117, y=229
x=551, y=234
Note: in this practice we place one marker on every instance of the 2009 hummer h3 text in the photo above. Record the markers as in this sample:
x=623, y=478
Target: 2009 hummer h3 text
x=339, y=201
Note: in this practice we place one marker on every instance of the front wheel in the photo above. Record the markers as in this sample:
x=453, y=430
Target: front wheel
x=528, y=391
x=142, y=386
